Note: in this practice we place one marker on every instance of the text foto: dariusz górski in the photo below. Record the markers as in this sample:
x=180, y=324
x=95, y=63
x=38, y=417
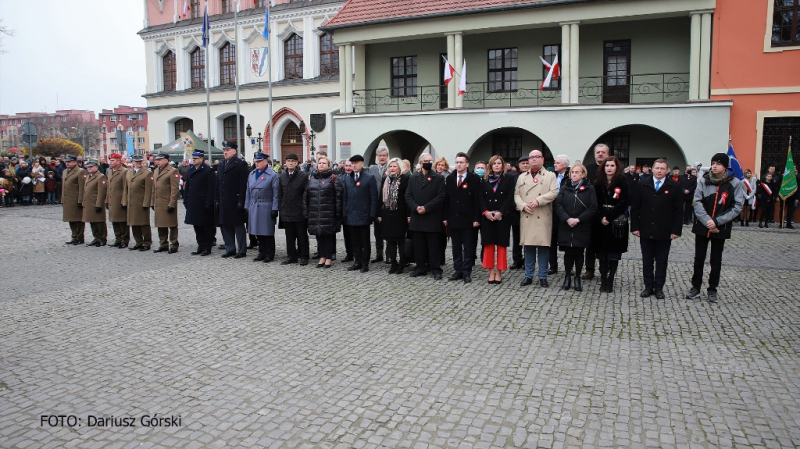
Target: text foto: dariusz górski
x=155, y=420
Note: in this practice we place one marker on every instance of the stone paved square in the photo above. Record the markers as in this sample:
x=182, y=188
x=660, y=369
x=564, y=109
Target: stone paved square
x=257, y=355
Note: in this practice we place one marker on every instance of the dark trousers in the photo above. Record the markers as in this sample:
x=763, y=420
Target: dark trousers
x=789, y=209
x=463, y=242
x=168, y=237
x=122, y=233
x=296, y=239
x=378, y=240
x=688, y=210
x=554, y=245
x=266, y=246
x=427, y=252
x=99, y=231
x=205, y=236
x=590, y=258
x=77, y=229
x=348, y=241
x=393, y=246
x=516, y=248
x=362, y=249
x=234, y=237
x=700, y=249
x=655, y=251
x=326, y=246
x=142, y=235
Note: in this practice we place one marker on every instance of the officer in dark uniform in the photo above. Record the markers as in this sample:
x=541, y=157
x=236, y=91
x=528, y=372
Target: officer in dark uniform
x=230, y=195
x=198, y=198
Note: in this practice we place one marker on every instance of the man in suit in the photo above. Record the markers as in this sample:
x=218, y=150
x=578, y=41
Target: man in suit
x=516, y=250
x=198, y=199
x=293, y=184
x=560, y=166
x=137, y=198
x=230, y=195
x=601, y=153
x=165, y=203
x=462, y=216
x=94, y=201
x=378, y=170
x=74, y=179
x=117, y=215
x=360, y=205
x=425, y=200
x=657, y=218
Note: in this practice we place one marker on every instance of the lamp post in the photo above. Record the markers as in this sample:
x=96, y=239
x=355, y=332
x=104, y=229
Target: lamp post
x=311, y=135
x=134, y=121
x=249, y=131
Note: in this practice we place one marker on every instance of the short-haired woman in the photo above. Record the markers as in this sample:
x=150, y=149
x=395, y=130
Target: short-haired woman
x=394, y=214
x=441, y=167
x=575, y=207
x=322, y=202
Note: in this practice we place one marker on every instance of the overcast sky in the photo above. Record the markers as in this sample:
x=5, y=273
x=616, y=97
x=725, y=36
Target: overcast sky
x=84, y=52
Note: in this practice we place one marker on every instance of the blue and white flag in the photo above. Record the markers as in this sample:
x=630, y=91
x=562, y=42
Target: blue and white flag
x=734, y=163
x=206, y=28
x=262, y=64
x=131, y=148
x=266, y=23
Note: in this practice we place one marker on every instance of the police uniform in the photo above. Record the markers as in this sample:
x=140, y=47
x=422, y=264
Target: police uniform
x=261, y=201
x=198, y=199
x=73, y=180
x=137, y=197
x=165, y=203
x=94, y=201
x=117, y=214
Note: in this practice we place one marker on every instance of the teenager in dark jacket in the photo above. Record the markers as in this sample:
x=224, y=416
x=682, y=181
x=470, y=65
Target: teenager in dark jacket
x=322, y=204
x=575, y=206
x=609, y=242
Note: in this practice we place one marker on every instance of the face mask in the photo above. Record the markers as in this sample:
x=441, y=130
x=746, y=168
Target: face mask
x=427, y=165
x=480, y=171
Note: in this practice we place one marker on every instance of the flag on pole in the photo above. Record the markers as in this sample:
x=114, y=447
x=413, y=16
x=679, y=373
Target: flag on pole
x=733, y=163
x=186, y=8
x=266, y=23
x=262, y=64
x=206, y=27
x=462, y=85
x=553, y=72
x=789, y=183
x=131, y=148
x=448, y=71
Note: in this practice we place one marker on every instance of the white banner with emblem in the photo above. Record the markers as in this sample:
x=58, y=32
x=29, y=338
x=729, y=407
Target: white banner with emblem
x=258, y=61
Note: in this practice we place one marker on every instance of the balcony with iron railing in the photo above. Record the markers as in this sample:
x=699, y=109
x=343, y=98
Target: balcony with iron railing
x=592, y=90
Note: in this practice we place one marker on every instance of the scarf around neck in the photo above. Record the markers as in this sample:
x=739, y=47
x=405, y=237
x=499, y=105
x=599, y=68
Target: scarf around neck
x=391, y=187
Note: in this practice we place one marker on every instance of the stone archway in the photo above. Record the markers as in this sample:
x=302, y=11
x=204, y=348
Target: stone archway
x=639, y=144
x=510, y=143
x=402, y=144
x=282, y=115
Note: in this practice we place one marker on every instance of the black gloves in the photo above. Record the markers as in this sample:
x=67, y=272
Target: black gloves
x=98, y=209
x=170, y=209
x=80, y=206
x=274, y=214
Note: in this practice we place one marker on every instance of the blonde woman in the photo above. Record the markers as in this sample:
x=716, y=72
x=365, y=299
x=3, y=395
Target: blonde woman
x=441, y=167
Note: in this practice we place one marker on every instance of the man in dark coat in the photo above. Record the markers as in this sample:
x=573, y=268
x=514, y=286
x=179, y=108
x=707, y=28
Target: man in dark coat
x=688, y=185
x=293, y=184
x=425, y=200
x=198, y=198
x=230, y=195
x=378, y=171
x=657, y=218
x=561, y=168
x=601, y=153
x=360, y=204
x=462, y=216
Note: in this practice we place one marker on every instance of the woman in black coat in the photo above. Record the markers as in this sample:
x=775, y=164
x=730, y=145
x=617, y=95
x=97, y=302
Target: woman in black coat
x=575, y=206
x=322, y=204
x=497, y=200
x=613, y=196
x=393, y=214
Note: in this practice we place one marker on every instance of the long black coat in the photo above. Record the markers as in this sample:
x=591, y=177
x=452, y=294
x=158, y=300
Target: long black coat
x=499, y=199
x=322, y=203
x=462, y=205
x=428, y=191
x=360, y=199
x=580, y=203
x=198, y=195
x=290, y=196
x=688, y=182
x=231, y=191
x=394, y=223
x=657, y=215
x=608, y=207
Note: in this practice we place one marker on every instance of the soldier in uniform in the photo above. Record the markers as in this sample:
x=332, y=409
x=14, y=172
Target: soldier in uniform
x=230, y=195
x=72, y=198
x=115, y=203
x=261, y=200
x=137, y=198
x=165, y=202
x=94, y=201
x=198, y=198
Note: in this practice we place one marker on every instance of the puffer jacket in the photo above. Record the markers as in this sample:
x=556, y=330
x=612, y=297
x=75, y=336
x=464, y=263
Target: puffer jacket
x=721, y=203
x=575, y=202
x=322, y=203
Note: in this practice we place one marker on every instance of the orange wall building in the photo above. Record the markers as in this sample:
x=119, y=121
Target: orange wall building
x=756, y=64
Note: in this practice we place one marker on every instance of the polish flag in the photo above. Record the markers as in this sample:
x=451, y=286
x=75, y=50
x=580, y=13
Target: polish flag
x=462, y=85
x=554, y=72
x=448, y=71
x=186, y=8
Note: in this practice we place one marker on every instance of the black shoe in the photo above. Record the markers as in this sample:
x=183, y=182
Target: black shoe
x=589, y=275
x=789, y=226
x=456, y=276
x=417, y=273
x=712, y=296
x=303, y=262
x=660, y=294
x=543, y=283
x=377, y=259
x=240, y=255
x=93, y=243
x=268, y=259
x=552, y=271
x=122, y=245
x=387, y=261
x=78, y=242
x=393, y=269
x=693, y=293
x=196, y=252
x=646, y=292
x=252, y=245
x=467, y=279
x=206, y=252
x=400, y=269
x=348, y=258
x=135, y=247
x=567, y=282
x=577, y=283
x=760, y=225
x=365, y=269
x=71, y=242
x=221, y=247
x=160, y=250
x=287, y=262
x=226, y=255
x=320, y=265
x=517, y=265
x=114, y=245
x=144, y=248
x=526, y=282
x=437, y=276
x=354, y=267
x=261, y=257
x=172, y=251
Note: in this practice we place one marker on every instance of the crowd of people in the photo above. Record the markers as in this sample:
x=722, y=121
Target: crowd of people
x=585, y=212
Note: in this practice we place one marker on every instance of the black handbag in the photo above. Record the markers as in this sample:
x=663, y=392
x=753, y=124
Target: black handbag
x=620, y=226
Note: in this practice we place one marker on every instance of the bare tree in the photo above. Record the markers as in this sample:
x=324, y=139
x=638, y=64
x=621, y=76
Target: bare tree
x=85, y=134
x=4, y=31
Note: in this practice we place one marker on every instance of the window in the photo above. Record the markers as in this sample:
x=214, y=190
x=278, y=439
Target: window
x=141, y=140
x=113, y=141
x=775, y=141
x=196, y=12
x=104, y=118
x=261, y=3
x=130, y=129
x=785, y=29
x=328, y=55
x=141, y=129
x=104, y=129
x=404, y=76
x=183, y=125
x=550, y=53
x=229, y=129
x=3, y=122
x=509, y=146
x=113, y=118
x=227, y=64
x=169, y=73
x=226, y=6
x=619, y=144
x=502, y=70
x=64, y=119
x=198, y=69
x=293, y=57
x=141, y=116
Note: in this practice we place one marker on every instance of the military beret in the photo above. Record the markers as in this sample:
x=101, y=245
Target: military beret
x=115, y=156
x=357, y=158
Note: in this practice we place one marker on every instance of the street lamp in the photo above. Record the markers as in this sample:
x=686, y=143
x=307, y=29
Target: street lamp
x=249, y=132
x=134, y=121
x=311, y=134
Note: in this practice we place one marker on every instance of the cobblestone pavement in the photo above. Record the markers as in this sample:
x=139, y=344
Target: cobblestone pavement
x=255, y=355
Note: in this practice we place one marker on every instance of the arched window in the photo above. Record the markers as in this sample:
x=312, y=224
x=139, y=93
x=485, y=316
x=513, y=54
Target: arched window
x=195, y=6
x=183, y=125
x=293, y=57
x=226, y=6
x=227, y=64
x=328, y=55
x=170, y=75
x=198, y=68
x=229, y=130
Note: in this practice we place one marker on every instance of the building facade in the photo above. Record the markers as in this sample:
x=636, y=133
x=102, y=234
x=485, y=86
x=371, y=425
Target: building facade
x=73, y=124
x=635, y=74
x=129, y=120
x=304, y=72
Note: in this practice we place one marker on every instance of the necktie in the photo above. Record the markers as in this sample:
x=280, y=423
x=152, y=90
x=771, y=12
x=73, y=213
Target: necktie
x=658, y=185
x=357, y=177
x=558, y=184
x=460, y=178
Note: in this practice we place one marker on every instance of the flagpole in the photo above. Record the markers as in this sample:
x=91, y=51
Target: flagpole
x=207, y=31
x=236, y=77
x=269, y=81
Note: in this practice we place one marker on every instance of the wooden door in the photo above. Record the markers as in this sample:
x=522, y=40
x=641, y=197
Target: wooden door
x=616, y=71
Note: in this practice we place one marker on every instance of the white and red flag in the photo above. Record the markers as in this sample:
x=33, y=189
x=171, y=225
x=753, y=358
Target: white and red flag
x=448, y=71
x=462, y=85
x=554, y=72
x=186, y=8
